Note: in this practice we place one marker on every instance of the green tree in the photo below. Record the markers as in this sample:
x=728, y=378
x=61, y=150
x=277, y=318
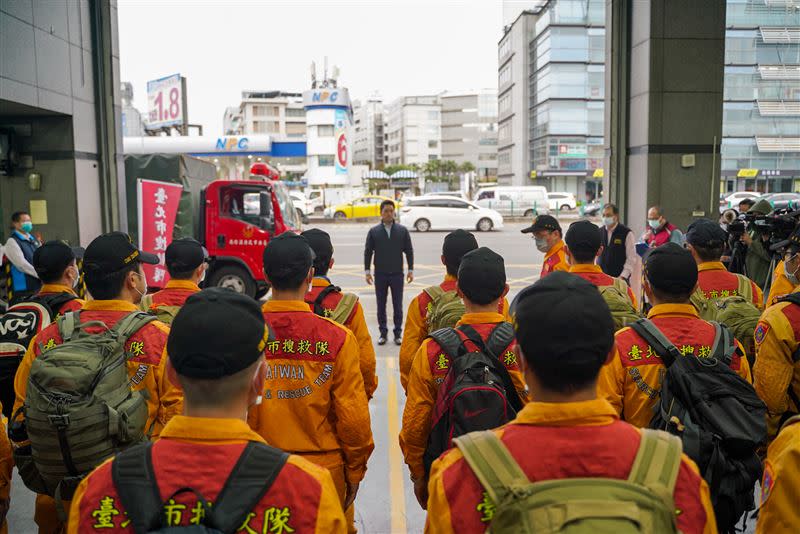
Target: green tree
x=466, y=167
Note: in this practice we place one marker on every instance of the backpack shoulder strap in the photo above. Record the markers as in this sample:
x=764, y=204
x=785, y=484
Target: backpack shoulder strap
x=794, y=298
x=54, y=302
x=653, y=336
x=621, y=286
x=792, y=420
x=492, y=463
x=68, y=324
x=327, y=290
x=345, y=308
x=146, y=303
x=500, y=338
x=448, y=339
x=434, y=291
x=475, y=337
x=724, y=344
x=745, y=288
x=132, y=323
x=657, y=464
x=135, y=480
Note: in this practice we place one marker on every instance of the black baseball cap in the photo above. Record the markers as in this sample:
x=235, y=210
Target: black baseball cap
x=184, y=255
x=112, y=252
x=287, y=254
x=542, y=222
x=671, y=268
x=319, y=241
x=52, y=258
x=458, y=243
x=216, y=333
x=583, y=235
x=792, y=243
x=564, y=319
x=482, y=275
x=705, y=233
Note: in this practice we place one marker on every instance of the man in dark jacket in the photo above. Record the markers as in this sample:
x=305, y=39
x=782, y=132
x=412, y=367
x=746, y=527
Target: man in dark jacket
x=618, y=258
x=389, y=241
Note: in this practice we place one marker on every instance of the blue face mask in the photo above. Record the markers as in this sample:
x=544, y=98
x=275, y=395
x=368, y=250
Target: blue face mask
x=27, y=227
x=654, y=224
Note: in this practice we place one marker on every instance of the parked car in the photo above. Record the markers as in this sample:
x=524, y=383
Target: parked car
x=365, y=206
x=728, y=201
x=593, y=207
x=561, y=201
x=782, y=200
x=302, y=205
x=527, y=200
x=442, y=213
x=456, y=194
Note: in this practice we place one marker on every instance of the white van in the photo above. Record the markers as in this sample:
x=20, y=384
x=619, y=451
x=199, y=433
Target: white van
x=525, y=201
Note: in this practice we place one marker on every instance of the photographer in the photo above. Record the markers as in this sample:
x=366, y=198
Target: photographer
x=758, y=256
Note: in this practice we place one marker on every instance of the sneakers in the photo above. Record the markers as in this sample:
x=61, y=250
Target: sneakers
x=382, y=340
x=397, y=341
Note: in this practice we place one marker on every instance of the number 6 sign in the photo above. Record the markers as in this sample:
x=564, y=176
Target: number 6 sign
x=165, y=102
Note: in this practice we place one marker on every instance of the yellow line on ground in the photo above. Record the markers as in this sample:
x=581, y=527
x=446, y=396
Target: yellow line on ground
x=396, y=489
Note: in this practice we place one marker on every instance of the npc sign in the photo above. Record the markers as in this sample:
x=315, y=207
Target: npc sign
x=158, y=207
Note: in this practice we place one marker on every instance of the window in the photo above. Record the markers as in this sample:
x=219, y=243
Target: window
x=505, y=48
x=294, y=112
x=433, y=144
x=486, y=194
x=325, y=161
x=325, y=130
x=504, y=104
x=243, y=205
x=504, y=132
x=505, y=75
x=433, y=115
x=432, y=157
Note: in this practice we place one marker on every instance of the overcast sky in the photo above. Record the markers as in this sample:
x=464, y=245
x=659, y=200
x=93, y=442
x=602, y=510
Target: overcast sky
x=395, y=47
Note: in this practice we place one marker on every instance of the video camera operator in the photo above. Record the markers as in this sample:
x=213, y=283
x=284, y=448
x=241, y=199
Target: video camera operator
x=758, y=257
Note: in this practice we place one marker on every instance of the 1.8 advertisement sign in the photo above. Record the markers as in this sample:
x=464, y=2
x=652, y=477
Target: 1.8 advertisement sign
x=165, y=102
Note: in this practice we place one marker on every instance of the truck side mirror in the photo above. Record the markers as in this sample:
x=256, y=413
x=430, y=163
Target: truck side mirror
x=265, y=211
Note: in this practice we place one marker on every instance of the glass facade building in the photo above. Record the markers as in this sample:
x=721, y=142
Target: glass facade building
x=566, y=87
x=761, y=109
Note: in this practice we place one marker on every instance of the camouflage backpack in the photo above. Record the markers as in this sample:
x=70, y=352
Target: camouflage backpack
x=444, y=310
x=622, y=311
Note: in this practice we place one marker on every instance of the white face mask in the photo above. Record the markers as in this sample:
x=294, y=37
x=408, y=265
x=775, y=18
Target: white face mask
x=144, y=281
x=792, y=277
x=77, y=280
x=654, y=224
x=608, y=221
x=541, y=244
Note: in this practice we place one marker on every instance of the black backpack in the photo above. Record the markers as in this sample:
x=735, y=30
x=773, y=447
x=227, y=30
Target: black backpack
x=342, y=312
x=18, y=326
x=253, y=475
x=718, y=416
x=477, y=393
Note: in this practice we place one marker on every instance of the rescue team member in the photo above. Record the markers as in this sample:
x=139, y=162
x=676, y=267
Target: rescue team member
x=547, y=234
x=783, y=283
x=19, y=250
x=320, y=243
x=631, y=380
x=113, y=273
x=776, y=374
x=314, y=403
x=6, y=467
x=389, y=240
x=618, y=258
x=779, y=511
x=186, y=264
x=57, y=267
x=455, y=245
x=216, y=349
x=482, y=286
x=660, y=231
x=706, y=241
x=564, y=335
x=584, y=246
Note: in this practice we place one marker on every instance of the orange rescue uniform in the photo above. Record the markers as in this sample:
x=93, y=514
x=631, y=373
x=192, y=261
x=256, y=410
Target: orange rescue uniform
x=715, y=281
x=174, y=293
x=555, y=260
x=6, y=468
x=56, y=289
x=147, y=369
x=416, y=329
x=776, y=372
x=779, y=510
x=594, y=274
x=301, y=500
x=632, y=379
x=314, y=403
x=427, y=373
x=357, y=324
x=780, y=285
x=556, y=441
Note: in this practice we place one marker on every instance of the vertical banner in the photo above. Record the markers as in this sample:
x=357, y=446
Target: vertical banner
x=340, y=134
x=158, y=207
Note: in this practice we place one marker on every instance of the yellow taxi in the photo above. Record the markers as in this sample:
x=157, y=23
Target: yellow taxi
x=366, y=206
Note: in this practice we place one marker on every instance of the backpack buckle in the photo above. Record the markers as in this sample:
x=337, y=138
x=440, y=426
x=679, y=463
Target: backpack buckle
x=59, y=421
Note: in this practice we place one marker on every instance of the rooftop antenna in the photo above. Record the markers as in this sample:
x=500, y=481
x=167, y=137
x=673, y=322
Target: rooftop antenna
x=313, y=75
x=334, y=75
x=325, y=78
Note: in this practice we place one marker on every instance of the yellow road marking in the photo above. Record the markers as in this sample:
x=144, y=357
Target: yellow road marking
x=396, y=489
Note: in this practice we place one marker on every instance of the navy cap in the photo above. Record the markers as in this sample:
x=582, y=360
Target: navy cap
x=671, y=268
x=112, y=252
x=51, y=259
x=482, y=275
x=184, y=255
x=287, y=254
x=583, y=235
x=319, y=241
x=705, y=233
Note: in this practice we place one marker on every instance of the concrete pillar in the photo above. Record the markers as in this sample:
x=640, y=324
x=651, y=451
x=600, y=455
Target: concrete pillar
x=664, y=82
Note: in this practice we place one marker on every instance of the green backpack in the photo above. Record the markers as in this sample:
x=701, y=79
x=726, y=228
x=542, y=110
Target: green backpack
x=642, y=503
x=737, y=312
x=616, y=296
x=165, y=314
x=79, y=408
x=445, y=309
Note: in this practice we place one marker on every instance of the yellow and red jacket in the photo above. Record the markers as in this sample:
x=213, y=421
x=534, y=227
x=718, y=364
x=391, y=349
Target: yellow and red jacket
x=594, y=274
x=301, y=500
x=357, y=324
x=779, y=510
x=56, y=289
x=174, y=293
x=6, y=460
x=555, y=260
x=314, y=402
x=632, y=379
x=416, y=329
x=781, y=285
x=430, y=367
x=571, y=440
x=777, y=366
x=147, y=367
x=714, y=281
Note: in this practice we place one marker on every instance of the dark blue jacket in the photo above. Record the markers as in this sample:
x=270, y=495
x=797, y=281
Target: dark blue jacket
x=388, y=251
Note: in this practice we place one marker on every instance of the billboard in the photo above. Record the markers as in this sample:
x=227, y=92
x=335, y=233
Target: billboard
x=340, y=134
x=327, y=97
x=166, y=102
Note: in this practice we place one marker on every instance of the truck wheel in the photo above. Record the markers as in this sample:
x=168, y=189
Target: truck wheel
x=235, y=278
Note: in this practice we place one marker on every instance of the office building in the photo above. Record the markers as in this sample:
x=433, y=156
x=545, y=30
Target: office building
x=368, y=132
x=761, y=109
x=413, y=130
x=277, y=113
x=132, y=123
x=469, y=130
